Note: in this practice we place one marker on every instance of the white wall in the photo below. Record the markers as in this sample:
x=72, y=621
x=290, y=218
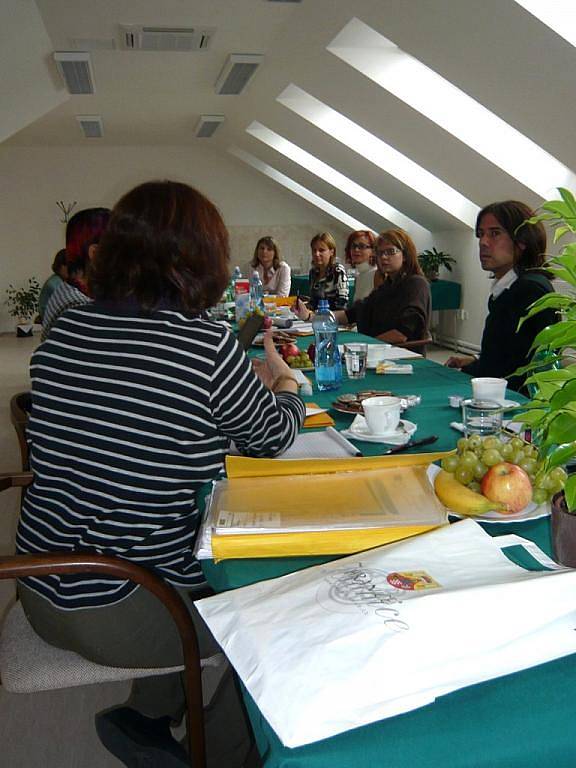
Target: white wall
x=33, y=179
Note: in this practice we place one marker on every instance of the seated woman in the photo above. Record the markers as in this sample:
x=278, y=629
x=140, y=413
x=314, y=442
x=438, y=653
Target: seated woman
x=513, y=251
x=134, y=419
x=274, y=273
x=399, y=309
x=83, y=233
x=58, y=276
x=360, y=254
x=327, y=279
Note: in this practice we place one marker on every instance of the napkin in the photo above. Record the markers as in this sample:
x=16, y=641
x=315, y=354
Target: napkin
x=317, y=419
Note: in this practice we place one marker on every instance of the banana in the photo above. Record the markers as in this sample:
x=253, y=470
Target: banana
x=460, y=499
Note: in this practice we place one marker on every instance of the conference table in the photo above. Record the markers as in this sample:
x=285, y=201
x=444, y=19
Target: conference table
x=523, y=720
x=446, y=294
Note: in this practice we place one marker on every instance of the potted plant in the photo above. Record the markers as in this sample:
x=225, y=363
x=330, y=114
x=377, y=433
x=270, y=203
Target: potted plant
x=551, y=414
x=431, y=260
x=23, y=305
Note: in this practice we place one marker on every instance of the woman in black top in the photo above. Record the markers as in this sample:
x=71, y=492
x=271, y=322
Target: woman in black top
x=399, y=309
x=327, y=279
x=513, y=251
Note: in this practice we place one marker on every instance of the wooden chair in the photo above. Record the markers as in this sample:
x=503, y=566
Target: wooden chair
x=27, y=663
x=20, y=406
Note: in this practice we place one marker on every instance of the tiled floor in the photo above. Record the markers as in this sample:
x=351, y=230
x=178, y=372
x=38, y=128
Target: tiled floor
x=52, y=729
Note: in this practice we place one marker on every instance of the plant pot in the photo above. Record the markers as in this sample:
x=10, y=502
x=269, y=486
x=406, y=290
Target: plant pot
x=563, y=526
x=26, y=329
x=431, y=275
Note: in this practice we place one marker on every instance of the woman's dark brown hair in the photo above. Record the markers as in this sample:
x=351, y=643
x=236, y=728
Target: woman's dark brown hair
x=511, y=215
x=402, y=240
x=165, y=246
x=269, y=242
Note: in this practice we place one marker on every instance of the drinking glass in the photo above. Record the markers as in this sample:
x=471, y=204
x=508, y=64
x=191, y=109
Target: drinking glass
x=481, y=417
x=355, y=356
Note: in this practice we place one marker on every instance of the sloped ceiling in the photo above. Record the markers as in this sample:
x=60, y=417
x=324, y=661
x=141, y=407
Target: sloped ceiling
x=494, y=50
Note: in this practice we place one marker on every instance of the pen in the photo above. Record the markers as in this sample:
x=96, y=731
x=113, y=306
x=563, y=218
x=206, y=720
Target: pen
x=341, y=440
x=411, y=444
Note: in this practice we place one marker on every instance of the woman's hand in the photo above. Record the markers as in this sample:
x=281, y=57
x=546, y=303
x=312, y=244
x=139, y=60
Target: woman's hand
x=459, y=362
x=301, y=309
x=273, y=370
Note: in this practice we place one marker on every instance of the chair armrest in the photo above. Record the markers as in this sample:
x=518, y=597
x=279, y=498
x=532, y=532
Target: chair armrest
x=15, y=480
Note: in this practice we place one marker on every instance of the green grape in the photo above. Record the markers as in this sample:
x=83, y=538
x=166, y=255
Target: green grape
x=559, y=473
x=529, y=465
x=492, y=442
x=462, y=444
x=449, y=463
x=539, y=496
x=474, y=486
x=506, y=451
x=548, y=482
x=556, y=484
x=491, y=457
x=516, y=457
x=468, y=460
x=479, y=470
x=530, y=451
x=517, y=443
x=463, y=475
x=474, y=441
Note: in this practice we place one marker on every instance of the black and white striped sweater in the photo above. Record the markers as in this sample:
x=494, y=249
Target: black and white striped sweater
x=131, y=415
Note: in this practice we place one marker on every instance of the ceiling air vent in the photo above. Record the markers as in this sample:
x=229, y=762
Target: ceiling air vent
x=237, y=72
x=206, y=126
x=76, y=71
x=91, y=126
x=177, y=39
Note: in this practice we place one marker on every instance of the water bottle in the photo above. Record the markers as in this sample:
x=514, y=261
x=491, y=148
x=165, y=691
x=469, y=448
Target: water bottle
x=327, y=360
x=237, y=273
x=256, y=293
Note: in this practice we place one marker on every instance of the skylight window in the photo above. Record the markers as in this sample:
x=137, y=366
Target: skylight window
x=334, y=177
x=559, y=15
x=298, y=189
x=446, y=105
x=378, y=152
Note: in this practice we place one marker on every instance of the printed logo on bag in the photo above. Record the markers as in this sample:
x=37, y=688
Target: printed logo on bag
x=363, y=590
x=411, y=580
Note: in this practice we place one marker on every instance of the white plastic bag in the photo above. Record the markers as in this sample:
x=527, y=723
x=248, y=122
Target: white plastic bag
x=366, y=637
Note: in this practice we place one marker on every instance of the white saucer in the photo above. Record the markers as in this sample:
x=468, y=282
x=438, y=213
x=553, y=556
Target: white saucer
x=510, y=404
x=359, y=431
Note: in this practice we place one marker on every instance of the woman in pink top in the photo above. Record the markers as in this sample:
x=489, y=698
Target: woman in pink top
x=275, y=274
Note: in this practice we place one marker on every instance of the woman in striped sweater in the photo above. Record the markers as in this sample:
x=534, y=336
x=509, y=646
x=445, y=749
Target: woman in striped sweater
x=135, y=399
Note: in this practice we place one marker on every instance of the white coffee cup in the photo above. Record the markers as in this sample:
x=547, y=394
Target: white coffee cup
x=382, y=414
x=487, y=388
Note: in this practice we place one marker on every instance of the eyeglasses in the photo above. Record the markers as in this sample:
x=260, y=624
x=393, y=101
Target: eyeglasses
x=361, y=246
x=388, y=252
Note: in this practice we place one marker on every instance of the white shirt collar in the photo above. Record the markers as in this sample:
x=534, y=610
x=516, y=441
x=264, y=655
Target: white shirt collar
x=501, y=285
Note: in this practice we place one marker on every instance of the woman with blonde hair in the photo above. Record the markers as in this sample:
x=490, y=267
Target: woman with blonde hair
x=274, y=273
x=327, y=279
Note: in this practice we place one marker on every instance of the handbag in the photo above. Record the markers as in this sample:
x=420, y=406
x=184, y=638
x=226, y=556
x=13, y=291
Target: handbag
x=382, y=632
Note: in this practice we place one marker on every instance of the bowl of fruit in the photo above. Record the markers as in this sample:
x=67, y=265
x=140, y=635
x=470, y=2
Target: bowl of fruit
x=296, y=358
x=497, y=479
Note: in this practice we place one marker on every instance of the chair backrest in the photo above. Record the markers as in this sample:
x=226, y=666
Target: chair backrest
x=19, y=566
x=20, y=406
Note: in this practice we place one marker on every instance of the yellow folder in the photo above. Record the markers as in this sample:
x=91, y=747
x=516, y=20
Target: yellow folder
x=410, y=506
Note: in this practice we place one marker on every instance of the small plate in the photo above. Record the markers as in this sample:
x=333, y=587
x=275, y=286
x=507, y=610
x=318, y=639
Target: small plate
x=359, y=431
x=298, y=368
x=510, y=404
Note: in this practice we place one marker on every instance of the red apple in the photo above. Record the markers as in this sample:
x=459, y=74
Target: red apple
x=311, y=352
x=267, y=323
x=508, y=484
x=289, y=350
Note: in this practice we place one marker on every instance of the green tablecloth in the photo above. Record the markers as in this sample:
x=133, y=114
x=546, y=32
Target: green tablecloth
x=445, y=293
x=523, y=720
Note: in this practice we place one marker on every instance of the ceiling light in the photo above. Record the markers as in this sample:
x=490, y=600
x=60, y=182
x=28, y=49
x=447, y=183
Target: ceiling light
x=446, y=105
x=76, y=71
x=91, y=126
x=381, y=154
x=298, y=189
x=335, y=178
x=237, y=72
x=207, y=125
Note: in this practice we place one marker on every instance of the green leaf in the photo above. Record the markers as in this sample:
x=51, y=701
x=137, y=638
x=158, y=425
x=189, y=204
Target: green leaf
x=568, y=198
x=559, y=335
x=561, y=430
x=564, y=396
x=561, y=455
x=531, y=418
x=570, y=493
x=548, y=301
x=560, y=232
